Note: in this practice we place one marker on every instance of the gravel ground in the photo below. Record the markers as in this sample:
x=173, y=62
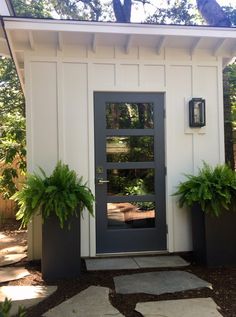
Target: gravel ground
x=223, y=281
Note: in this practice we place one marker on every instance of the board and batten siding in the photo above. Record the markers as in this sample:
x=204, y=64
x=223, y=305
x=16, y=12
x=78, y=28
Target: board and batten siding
x=60, y=86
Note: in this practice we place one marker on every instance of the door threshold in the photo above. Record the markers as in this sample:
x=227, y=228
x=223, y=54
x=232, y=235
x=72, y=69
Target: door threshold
x=126, y=254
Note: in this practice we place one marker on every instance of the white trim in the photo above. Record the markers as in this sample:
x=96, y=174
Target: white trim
x=60, y=41
x=12, y=23
x=91, y=156
x=128, y=44
x=16, y=62
x=219, y=46
x=195, y=45
x=31, y=40
x=161, y=44
x=94, y=43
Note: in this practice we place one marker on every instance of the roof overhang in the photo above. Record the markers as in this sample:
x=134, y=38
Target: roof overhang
x=28, y=34
x=6, y=8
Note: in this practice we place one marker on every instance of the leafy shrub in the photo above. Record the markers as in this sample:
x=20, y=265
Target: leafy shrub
x=214, y=189
x=62, y=194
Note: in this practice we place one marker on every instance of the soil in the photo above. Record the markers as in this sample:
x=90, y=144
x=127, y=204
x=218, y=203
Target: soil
x=223, y=293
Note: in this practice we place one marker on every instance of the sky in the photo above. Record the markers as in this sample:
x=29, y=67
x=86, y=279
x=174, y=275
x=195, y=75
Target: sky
x=138, y=16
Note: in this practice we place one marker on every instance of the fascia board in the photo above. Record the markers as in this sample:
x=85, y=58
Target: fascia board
x=118, y=28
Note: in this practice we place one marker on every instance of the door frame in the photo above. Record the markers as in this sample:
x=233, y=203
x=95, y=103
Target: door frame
x=93, y=234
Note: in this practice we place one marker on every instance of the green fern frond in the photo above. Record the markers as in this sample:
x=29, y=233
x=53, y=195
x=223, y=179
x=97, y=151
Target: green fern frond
x=214, y=189
x=61, y=193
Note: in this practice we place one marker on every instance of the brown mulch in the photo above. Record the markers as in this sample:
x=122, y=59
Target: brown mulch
x=223, y=281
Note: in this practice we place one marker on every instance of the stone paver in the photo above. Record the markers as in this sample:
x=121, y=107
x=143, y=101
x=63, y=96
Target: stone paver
x=194, y=307
x=17, y=238
x=158, y=282
x=160, y=261
x=92, y=302
x=110, y=264
x=16, y=249
x=12, y=273
x=8, y=259
x=26, y=296
x=135, y=262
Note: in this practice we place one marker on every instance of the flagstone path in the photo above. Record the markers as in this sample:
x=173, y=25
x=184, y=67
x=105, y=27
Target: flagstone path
x=12, y=248
x=138, y=262
x=157, y=283
x=194, y=307
x=25, y=296
x=12, y=273
x=92, y=302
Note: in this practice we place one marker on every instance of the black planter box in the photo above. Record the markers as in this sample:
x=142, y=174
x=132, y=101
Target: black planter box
x=214, y=238
x=61, y=258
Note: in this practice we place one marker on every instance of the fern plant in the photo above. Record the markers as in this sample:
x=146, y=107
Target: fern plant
x=62, y=193
x=5, y=309
x=214, y=189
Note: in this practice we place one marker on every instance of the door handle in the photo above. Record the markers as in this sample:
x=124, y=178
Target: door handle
x=101, y=181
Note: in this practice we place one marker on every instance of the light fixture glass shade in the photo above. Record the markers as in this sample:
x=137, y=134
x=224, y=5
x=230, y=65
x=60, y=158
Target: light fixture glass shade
x=197, y=113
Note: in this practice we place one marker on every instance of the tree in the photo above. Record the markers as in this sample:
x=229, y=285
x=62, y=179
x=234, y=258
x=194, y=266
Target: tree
x=12, y=110
x=230, y=112
x=213, y=13
x=12, y=131
x=12, y=128
x=188, y=13
x=32, y=8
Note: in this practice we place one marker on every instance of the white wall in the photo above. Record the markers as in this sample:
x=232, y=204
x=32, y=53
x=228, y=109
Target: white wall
x=60, y=121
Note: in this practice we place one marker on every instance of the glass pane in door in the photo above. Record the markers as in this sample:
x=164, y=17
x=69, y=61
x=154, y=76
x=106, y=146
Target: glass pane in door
x=127, y=215
x=130, y=148
x=123, y=182
x=127, y=115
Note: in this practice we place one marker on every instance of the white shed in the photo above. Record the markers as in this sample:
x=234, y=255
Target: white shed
x=112, y=101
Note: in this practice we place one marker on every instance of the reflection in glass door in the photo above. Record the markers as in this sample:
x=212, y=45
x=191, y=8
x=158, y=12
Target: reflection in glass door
x=130, y=173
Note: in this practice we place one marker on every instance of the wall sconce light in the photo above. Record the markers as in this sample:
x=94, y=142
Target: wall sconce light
x=197, y=113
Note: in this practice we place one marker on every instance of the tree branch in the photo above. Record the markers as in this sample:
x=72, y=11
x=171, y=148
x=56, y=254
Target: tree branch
x=213, y=13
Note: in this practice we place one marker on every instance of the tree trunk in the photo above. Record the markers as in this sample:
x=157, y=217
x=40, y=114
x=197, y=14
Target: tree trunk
x=122, y=11
x=213, y=13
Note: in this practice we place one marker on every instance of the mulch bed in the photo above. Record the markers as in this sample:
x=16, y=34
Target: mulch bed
x=223, y=281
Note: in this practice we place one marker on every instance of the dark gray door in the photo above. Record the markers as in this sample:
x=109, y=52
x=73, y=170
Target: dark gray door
x=130, y=172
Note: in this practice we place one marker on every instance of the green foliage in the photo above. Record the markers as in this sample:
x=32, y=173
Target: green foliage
x=178, y=12
x=214, y=189
x=11, y=95
x=62, y=194
x=12, y=129
x=32, y=8
x=5, y=309
x=231, y=13
x=230, y=89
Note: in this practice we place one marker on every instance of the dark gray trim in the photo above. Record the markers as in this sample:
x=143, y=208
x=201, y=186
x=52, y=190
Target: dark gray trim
x=122, y=199
x=130, y=165
x=125, y=239
x=129, y=132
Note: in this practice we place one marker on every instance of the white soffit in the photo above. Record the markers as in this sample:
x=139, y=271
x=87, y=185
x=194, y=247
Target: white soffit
x=29, y=34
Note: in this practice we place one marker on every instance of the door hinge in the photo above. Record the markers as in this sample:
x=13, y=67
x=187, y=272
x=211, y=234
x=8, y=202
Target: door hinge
x=167, y=231
x=165, y=170
x=164, y=113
